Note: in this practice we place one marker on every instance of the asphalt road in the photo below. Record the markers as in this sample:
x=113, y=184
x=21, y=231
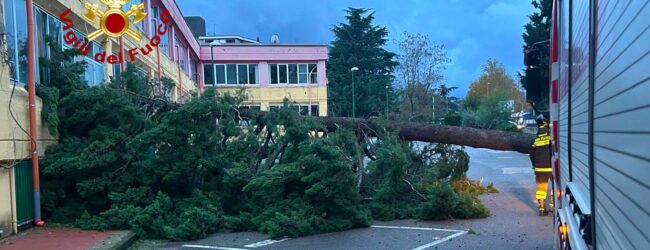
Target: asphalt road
x=513, y=223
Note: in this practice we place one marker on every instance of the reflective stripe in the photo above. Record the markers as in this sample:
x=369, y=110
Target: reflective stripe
x=543, y=170
x=555, y=71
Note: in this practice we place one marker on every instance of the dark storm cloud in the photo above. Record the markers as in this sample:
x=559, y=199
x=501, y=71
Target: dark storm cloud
x=471, y=30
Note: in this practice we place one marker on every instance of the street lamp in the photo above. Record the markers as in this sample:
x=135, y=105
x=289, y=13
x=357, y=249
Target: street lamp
x=433, y=107
x=387, y=88
x=354, y=108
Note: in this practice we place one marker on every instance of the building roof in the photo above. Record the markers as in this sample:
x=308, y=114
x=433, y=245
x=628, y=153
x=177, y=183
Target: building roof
x=229, y=37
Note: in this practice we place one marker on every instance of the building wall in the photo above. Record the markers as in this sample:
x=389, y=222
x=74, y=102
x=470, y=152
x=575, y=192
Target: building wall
x=14, y=143
x=7, y=209
x=267, y=96
x=264, y=93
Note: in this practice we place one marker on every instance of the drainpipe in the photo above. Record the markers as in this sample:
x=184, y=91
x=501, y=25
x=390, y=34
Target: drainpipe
x=12, y=199
x=122, y=67
x=33, y=133
x=160, y=87
x=180, y=79
x=309, y=83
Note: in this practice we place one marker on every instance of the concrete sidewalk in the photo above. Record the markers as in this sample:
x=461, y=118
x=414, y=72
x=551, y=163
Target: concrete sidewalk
x=55, y=238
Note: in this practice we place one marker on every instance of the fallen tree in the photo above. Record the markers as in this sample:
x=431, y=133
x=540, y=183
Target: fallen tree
x=412, y=131
x=131, y=159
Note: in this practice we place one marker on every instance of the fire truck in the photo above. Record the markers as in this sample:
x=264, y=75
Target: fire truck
x=599, y=105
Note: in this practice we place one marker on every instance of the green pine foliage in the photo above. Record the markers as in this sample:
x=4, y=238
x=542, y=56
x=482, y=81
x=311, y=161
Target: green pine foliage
x=127, y=158
x=359, y=43
x=418, y=183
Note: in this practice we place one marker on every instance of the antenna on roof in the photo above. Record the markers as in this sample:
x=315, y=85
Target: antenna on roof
x=275, y=39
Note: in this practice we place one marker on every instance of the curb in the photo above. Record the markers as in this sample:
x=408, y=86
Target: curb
x=120, y=240
x=127, y=242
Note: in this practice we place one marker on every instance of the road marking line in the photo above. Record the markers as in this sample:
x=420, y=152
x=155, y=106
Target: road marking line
x=517, y=170
x=212, y=247
x=411, y=228
x=264, y=243
x=420, y=228
x=440, y=240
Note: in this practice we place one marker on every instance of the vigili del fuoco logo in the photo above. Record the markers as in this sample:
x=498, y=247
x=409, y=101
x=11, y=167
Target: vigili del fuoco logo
x=113, y=22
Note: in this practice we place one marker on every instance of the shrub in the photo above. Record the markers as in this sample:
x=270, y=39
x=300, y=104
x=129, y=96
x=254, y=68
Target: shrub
x=440, y=204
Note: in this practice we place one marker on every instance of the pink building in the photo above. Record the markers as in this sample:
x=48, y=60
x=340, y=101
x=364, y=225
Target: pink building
x=268, y=72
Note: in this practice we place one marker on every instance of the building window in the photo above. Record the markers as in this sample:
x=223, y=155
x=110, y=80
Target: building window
x=242, y=73
x=47, y=30
x=221, y=74
x=231, y=74
x=126, y=8
x=273, y=69
x=313, y=73
x=253, y=74
x=164, y=39
x=182, y=54
x=16, y=31
x=293, y=73
x=302, y=109
x=314, y=110
x=283, y=73
x=117, y=70
x=302, y=73
x=193, y=71
x=250, y=107
x=94, y=71
x=208, y=75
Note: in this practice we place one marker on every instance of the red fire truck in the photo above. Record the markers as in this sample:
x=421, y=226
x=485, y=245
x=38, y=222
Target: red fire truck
x=599, y=95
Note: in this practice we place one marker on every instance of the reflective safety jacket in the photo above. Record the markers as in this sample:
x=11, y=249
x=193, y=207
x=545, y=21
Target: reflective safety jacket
x=541, y=153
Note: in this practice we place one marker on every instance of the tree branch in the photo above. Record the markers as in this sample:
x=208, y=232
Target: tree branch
x=270, y=162
x=414, y=190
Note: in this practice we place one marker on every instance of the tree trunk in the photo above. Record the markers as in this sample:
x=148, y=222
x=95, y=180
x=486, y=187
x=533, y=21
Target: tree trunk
x=412, y=131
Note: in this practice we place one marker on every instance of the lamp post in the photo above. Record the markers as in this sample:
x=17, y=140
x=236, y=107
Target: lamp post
x=387, y=88
x=433, y=107
x=354, y=107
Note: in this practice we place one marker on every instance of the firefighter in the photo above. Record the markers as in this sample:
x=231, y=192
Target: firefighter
x=541, y=159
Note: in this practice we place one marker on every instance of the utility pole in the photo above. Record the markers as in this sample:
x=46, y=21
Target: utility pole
x=354, y=107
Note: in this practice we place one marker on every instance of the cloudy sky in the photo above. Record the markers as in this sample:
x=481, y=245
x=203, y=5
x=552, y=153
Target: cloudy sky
x=471, y=30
